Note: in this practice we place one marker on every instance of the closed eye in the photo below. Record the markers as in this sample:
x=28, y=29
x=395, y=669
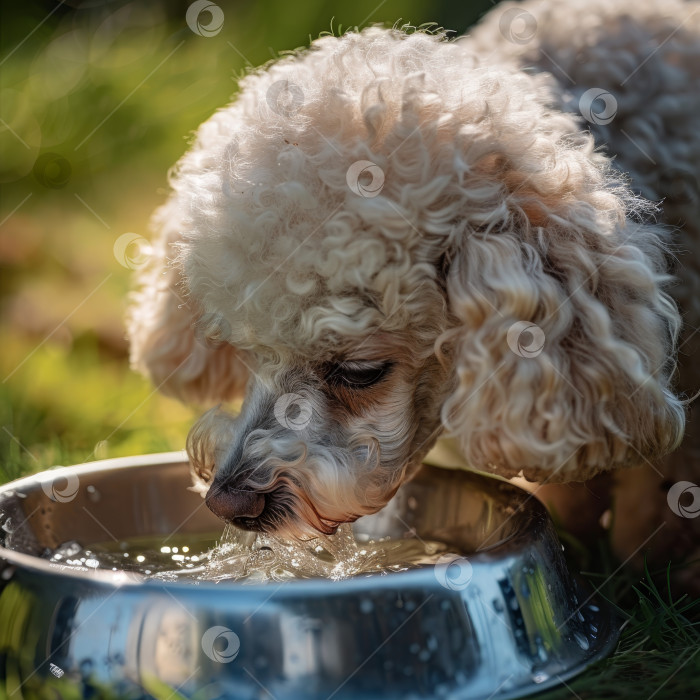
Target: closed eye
x=355, y=374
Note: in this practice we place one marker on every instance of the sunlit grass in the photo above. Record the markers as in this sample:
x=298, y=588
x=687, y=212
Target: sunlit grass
x=68, y=405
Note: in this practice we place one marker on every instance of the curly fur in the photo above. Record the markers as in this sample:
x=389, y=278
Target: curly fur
x=647, y=55
x=496, y=208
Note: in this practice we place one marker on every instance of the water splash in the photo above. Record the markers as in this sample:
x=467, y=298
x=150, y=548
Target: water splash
x=263, y=557
x=254, y=557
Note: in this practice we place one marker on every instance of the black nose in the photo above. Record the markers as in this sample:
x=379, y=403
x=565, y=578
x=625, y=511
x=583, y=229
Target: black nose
x=230, y=504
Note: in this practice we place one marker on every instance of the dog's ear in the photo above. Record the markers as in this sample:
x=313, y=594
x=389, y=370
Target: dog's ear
x=563, y=338
x=167, y=343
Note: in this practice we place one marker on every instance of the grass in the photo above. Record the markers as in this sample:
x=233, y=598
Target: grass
x=658, y=653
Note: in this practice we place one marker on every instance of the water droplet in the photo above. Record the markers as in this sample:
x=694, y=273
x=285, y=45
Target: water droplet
x=581, y=641
x=366, y=606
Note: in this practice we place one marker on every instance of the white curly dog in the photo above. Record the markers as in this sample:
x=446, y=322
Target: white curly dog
x=391, y=236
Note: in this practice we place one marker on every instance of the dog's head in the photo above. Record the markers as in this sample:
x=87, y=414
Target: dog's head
x=381, y=240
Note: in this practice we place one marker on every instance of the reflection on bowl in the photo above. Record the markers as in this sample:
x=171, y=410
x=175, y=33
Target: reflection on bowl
x=495, y=615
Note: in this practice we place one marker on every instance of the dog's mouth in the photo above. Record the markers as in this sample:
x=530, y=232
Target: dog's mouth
x=291, y=527
x=282, y=520
x=279, y=512
x=271, y=519
x=281, y=506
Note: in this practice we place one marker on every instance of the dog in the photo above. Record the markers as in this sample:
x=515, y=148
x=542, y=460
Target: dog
x=394, y=236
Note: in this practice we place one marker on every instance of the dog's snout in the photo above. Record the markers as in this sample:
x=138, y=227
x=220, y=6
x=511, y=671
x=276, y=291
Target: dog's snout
x=234, y=503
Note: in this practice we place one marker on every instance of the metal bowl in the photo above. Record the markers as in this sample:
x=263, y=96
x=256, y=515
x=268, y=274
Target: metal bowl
x=503, y=620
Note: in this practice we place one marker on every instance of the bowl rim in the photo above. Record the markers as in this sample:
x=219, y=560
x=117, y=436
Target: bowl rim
x=124, y=579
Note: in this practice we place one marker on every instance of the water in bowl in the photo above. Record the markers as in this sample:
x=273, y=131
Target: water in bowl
x=251, y=557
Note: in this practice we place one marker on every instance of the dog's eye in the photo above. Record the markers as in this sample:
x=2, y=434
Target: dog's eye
x=355, y=374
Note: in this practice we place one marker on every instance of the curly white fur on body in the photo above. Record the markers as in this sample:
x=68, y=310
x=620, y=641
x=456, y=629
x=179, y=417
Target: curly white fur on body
x=495, y=209
x=644, y=57
x=646, y=54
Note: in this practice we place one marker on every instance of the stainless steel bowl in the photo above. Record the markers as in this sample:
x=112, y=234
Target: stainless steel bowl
x=505, y=620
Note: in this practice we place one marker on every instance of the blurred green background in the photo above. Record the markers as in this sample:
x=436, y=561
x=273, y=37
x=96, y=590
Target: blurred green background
x=97, y=100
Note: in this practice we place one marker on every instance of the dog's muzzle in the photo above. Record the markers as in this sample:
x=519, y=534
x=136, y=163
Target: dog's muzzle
x=235, y=505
